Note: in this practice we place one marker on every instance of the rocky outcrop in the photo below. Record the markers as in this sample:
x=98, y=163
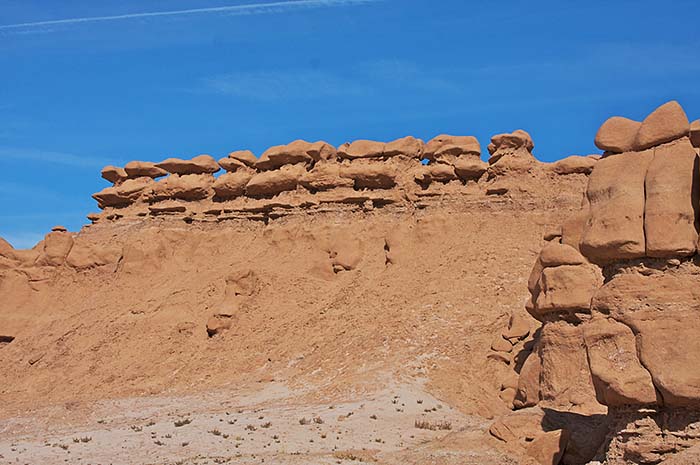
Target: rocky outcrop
x=616, y=289
x=511, y=153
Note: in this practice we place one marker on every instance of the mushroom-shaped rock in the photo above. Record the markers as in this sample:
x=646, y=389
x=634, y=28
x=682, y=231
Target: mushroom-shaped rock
x=123, y=195
x=447, y=146
x=361, y=149
x=138, y=169
x=270, y=183
x=231, y=164
x=515, y=140
x=575, y=164
x=231, y=185
x=201, y=164
x=59, y=228
x=369, y=174
x=244, y=156
x=114, y=174
x=617, y=134
x=666, y=123
x=469, y=168
x=695, y=133
x=324, y=176
x=407, y=146
x=290, y=154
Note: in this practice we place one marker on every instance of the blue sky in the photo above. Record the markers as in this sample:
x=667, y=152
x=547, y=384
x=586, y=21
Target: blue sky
x=85, y=83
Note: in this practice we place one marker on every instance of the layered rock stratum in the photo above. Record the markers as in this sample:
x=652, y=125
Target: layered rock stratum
x=342, y=271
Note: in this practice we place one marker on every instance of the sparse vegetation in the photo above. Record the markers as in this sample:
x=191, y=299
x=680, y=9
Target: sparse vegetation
x=137, y=428
x=318, y=420
x=215, y=432
x=250, y=427
x=267, y=424
x=303, y=421
x=182, y=422
x=433, y=425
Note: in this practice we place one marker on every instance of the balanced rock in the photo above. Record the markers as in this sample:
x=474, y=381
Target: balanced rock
x=124, y=194
x=515, y=140
x=138, y=169
x=231, y=164
x=201, y=164
x=231, y=185
x=244, y=156
x=511, y=153
x=469, y=168
x=617, y=134
x=114, y=174
x=435, y=172
x=575, y=164
x=666, y=123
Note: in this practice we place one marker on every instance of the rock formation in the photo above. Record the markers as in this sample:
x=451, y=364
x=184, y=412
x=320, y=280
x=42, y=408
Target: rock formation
x=616, y=292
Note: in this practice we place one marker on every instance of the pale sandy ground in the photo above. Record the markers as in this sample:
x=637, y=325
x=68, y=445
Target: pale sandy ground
x=259, y=425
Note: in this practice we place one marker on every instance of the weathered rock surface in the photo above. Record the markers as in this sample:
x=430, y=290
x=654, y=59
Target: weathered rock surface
x=575, y=164
x=114, y=174
x=617, y=135
x=269, y=183
x=361, y=149
x=137, y=169
x=201, y=164
x=666, y=123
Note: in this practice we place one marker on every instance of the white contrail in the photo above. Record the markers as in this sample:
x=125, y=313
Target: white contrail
x=251, y=8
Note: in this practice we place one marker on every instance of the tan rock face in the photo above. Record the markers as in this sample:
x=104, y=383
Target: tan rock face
x=368, y=174
x=672, y=201
x=618, y=376
x=575, y=164
x=297, y=152
x=325, y=176
x=695, y=133
x=666, y=123
x=123, y=195
x=617, y=135
x=189, y=187
x=615, y=226
x=661, y=310
x=406, y=146
x=231, y=164
x=244, y=156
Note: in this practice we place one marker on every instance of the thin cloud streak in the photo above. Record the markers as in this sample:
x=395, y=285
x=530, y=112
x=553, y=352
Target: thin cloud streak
x=44, y=156
x=251, y=8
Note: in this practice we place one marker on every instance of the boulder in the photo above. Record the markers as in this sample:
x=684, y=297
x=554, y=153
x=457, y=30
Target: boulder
x=672, y=197
x=406, y=146
x=614, y=229
x=231, y=164
x=435, y=172
x=189, y=187
x=138, y=169
x=244, y=156
x=218, y=323
x=368, y=174
x=201, y=164
x=515, y=140
x=527, y=393
x=469, y=168
x=617, y=135
x=575, y=164
x=446, y=146
x=556, y=254
x=566, y=288
x=123, y=195
x=518, y=327
x=618, y=376
x=114, y=174
x=295, y=152
x=695, y=133
x=270, y=183
x=666, y=123
x=231, y=185
x=361, y=149
x=323, y=176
